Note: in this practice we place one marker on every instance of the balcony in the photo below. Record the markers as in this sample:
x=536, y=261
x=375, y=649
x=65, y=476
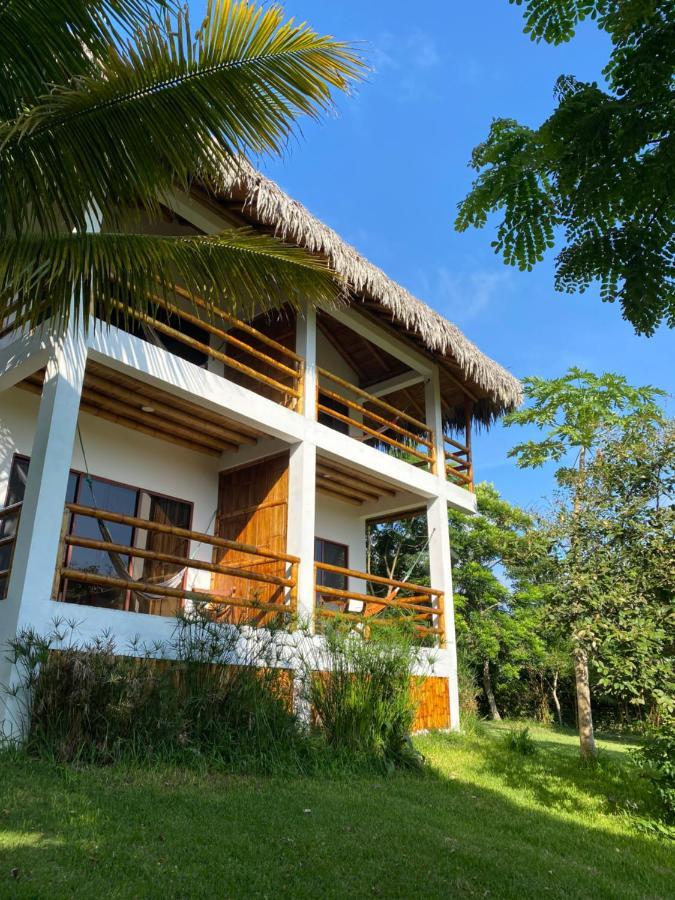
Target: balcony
x=356, y=412
x=378, y=601
x=156, y=563
x=212, y=338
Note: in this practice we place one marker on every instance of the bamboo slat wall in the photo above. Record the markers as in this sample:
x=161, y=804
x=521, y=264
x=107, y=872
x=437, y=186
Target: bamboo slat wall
x=253, y=509
x=433, y=696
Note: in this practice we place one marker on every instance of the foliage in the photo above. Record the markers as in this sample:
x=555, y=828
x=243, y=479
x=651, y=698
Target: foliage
x=656, y=757
x=614, y=534
x=108, y=107
x=163, y=831
x=577, y=411
x=90, y=703
x=399, y=549
x=599, y=169
x=360, y=693
x=519, y=740
x=223, y=695
x=498, y=606
x=467, y=685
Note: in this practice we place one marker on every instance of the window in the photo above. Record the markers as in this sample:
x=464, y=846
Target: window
x=332, y=554
x=130, y=501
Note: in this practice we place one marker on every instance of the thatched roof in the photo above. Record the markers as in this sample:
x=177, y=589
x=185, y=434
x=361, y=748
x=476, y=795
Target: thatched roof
x=494, y=389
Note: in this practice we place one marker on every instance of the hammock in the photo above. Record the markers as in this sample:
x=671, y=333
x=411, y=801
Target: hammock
x=373, y=608
x=118, y=564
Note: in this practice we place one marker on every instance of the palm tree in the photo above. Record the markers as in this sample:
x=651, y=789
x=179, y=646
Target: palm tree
x=108, y=105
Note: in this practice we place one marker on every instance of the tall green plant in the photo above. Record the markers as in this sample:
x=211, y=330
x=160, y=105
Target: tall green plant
x=108, y=106
x=578, y=413
x=360, y=693
x=216, y=695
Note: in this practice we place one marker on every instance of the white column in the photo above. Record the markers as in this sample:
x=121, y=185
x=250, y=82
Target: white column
x=440, y=561
x=28, y=601
x=440, y=573
x=434, y=418
x=302, y=475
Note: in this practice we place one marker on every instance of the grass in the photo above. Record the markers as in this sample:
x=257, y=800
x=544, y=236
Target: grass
x=484, y=822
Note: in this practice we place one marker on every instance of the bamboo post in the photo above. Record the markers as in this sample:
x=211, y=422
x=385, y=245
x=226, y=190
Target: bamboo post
x=60, y=559
x=468, y=411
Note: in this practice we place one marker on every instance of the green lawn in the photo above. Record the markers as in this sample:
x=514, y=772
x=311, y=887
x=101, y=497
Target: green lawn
x=483, y=823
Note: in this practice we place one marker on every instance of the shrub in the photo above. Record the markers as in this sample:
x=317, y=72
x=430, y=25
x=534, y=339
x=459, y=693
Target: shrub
x=469, y=690
x=220, y=693
x=360, y=694
x=656, y=758
x=88, y=702
x=519, y=740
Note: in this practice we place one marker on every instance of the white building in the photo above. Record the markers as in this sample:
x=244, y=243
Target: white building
x=239, y=464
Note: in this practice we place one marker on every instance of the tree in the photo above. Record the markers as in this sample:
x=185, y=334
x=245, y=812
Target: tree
x=108, y=105
x=600, y=169
x=497, y=609
x=616, y=540
x=579, y=412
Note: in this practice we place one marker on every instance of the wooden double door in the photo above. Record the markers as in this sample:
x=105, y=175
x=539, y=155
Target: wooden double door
x=252, y=509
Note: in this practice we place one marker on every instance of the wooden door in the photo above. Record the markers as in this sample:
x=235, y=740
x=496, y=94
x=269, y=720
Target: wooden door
x=252, y=509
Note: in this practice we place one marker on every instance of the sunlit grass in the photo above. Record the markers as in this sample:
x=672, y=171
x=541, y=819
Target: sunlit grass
x=482, y=822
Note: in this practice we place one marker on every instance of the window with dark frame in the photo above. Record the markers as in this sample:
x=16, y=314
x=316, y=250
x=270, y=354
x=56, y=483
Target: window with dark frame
x=120, y=498
x=333, y=554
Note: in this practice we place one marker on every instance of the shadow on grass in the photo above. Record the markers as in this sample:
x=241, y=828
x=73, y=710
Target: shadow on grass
x=167, y=833
x=557, y=778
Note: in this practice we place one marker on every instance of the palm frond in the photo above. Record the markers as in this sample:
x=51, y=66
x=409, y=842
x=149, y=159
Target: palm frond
x=43, y=43
x=164, y=106
x=243, y=271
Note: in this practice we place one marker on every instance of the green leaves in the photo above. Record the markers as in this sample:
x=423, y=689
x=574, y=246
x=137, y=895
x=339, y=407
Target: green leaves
x=578, y=411
x=164, y=106
x=555, y=21
x=106, y=106
x=600, y=171
x=514, y=177
x=240, y=268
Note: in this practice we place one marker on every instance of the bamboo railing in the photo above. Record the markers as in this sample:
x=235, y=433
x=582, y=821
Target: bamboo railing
x=286, y=366
x=422, y=607
x=8, y=544
x=287, y=583
x=458, y=457
x=379, y=420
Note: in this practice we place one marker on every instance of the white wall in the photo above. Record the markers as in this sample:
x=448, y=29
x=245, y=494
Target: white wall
x=342, y=523
x=124, y=455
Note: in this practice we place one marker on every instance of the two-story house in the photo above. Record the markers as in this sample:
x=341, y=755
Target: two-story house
x=179, y=458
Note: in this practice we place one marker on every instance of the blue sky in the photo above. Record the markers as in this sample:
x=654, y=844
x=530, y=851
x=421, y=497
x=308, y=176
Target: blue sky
x=389, y=168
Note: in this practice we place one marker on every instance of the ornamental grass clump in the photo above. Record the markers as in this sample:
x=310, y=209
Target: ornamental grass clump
x=92, y=703
x=360, y=694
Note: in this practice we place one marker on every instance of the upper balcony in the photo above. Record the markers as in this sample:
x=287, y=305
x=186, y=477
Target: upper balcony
x=361, y=388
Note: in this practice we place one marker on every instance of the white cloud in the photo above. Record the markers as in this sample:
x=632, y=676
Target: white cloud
x=402, y=63
x=467, y=295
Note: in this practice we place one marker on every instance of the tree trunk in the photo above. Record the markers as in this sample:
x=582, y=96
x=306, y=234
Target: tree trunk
x=556, y=701
x=585, y=716
x=487, y=687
